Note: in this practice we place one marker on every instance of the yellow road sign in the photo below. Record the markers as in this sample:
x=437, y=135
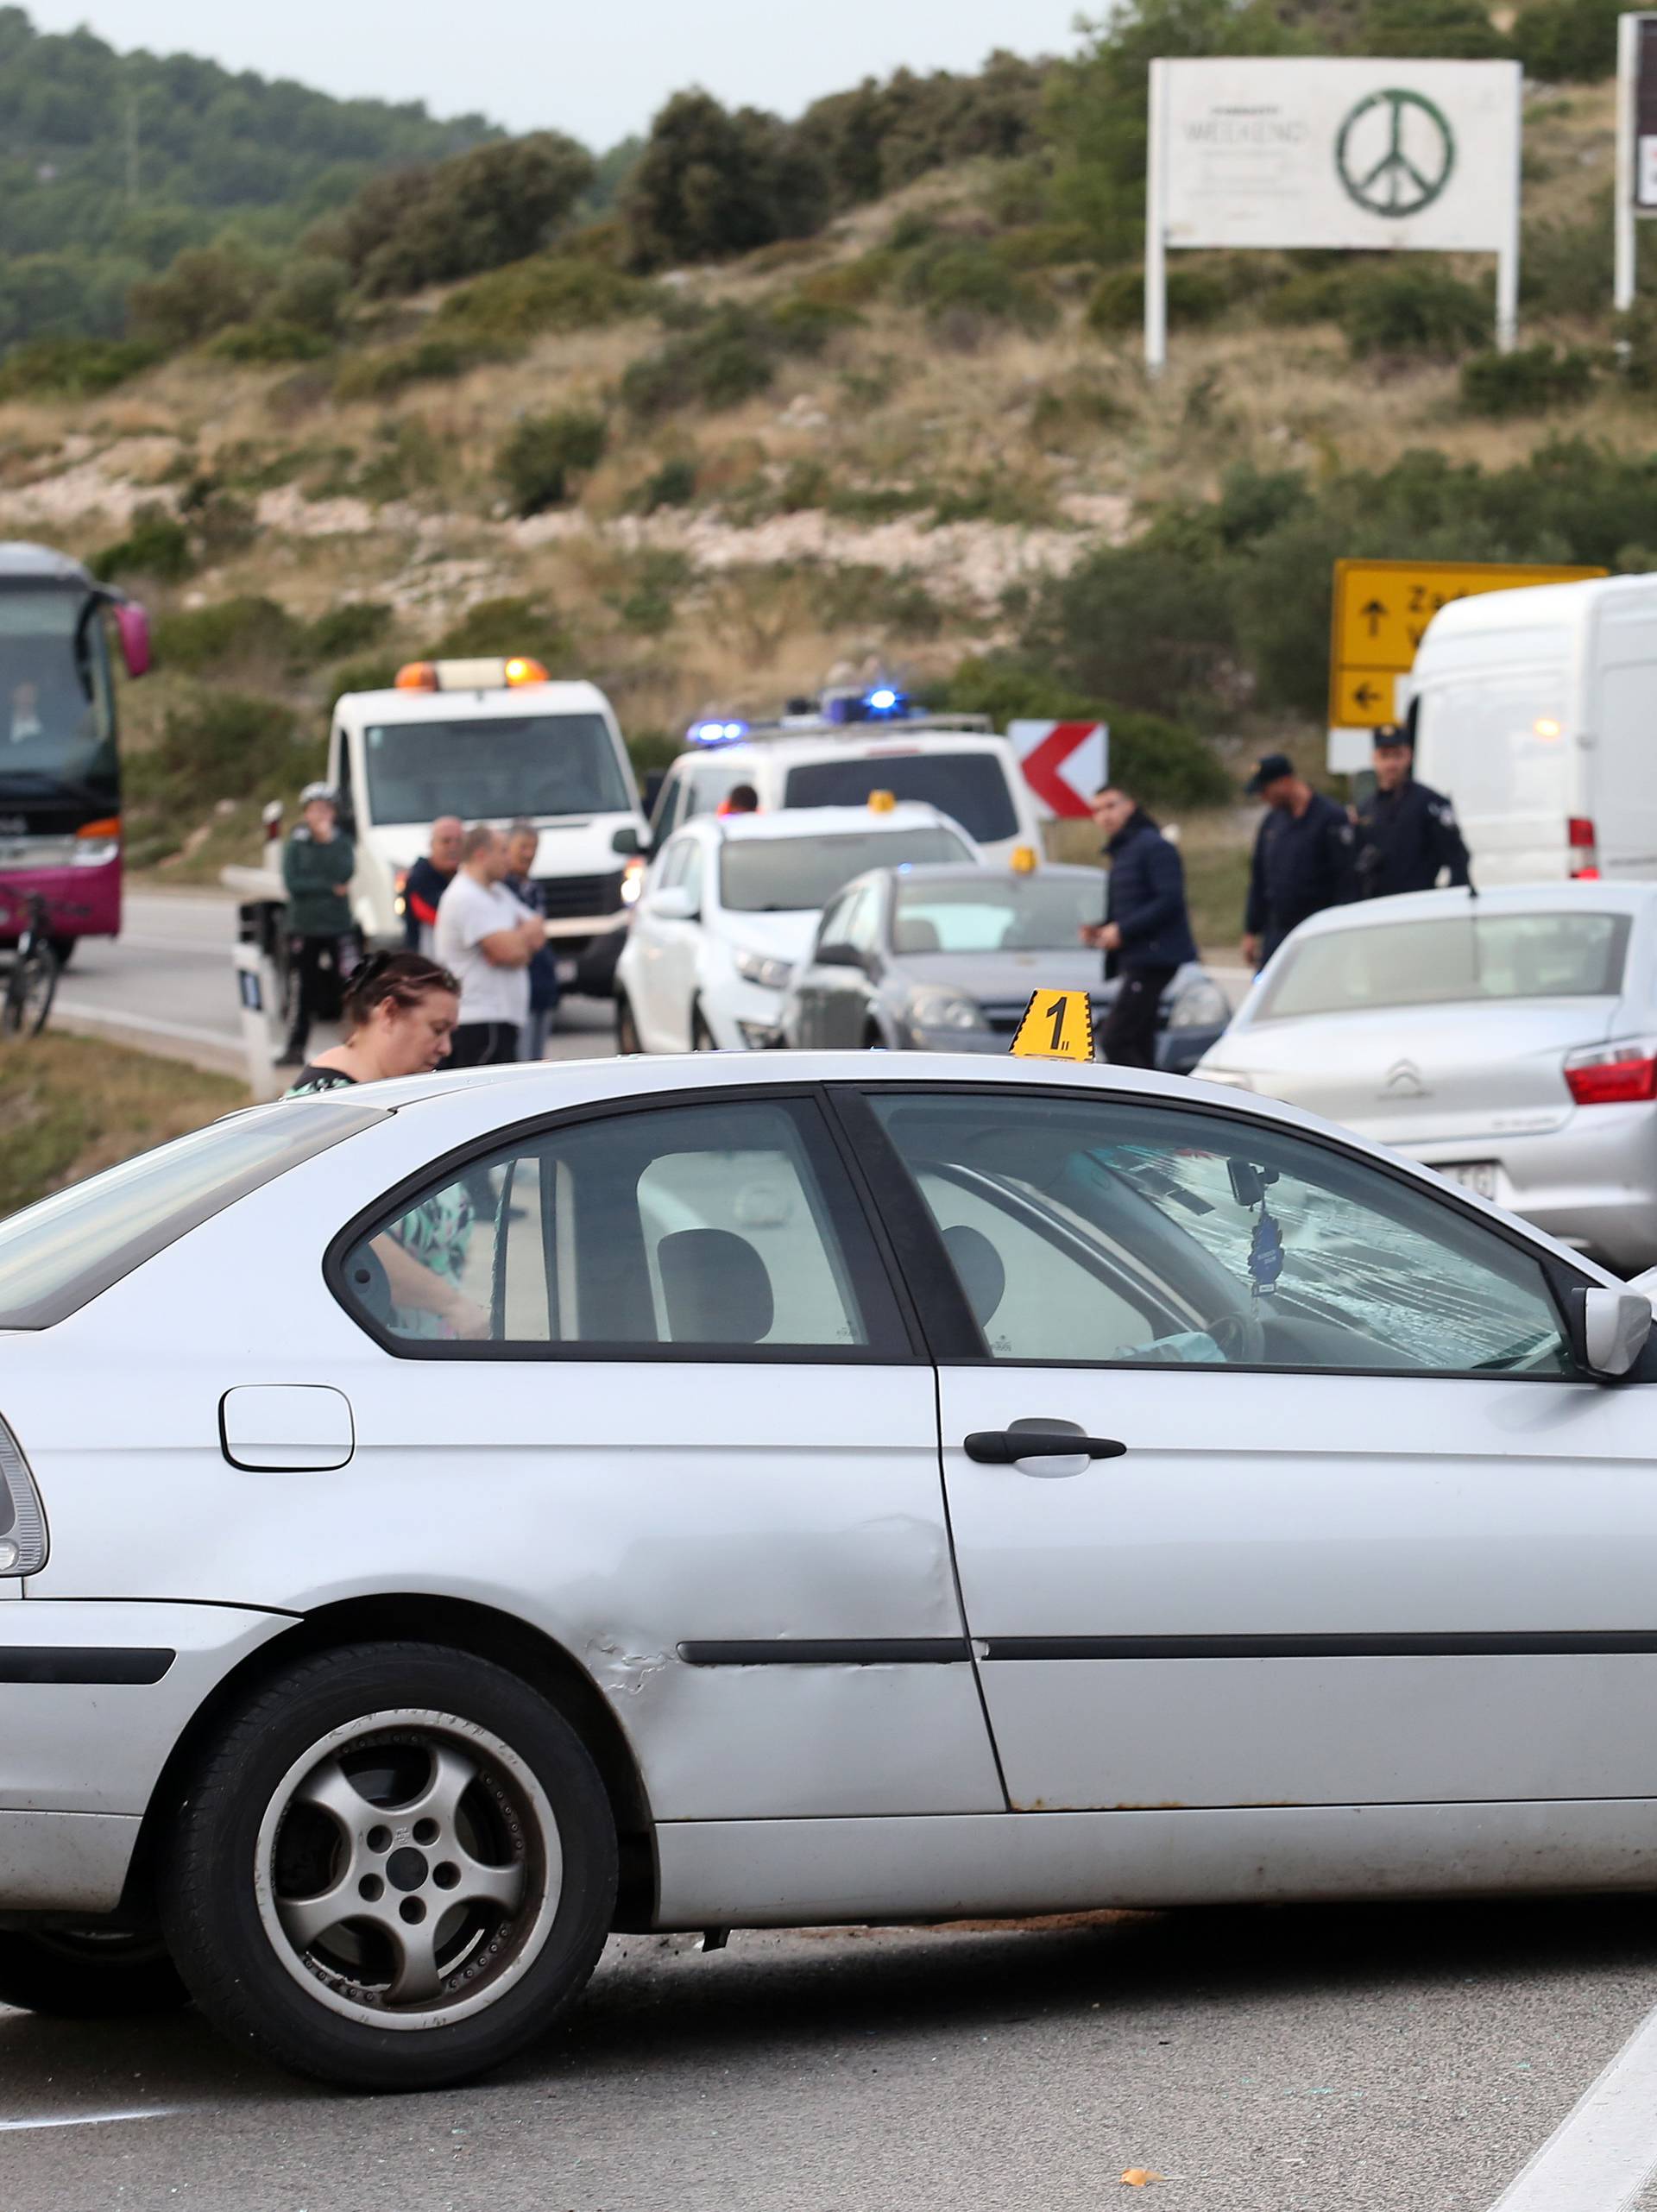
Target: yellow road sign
x=1382, y=609
x=1057, y=1025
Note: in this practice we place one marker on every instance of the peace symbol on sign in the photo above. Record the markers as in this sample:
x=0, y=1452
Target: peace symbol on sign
x=1395, y=153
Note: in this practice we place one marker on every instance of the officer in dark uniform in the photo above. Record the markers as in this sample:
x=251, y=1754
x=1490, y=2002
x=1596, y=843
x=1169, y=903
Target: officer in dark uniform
x=1303, y=857
x=1407, y=835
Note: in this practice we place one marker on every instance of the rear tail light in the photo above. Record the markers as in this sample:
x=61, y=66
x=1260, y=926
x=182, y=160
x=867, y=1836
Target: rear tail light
x=22, y=1524
x=1585, y=850
x=1624, y=1074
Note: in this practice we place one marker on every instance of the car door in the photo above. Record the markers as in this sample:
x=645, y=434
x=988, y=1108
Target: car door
x=668, y=944
x=802, y=1008
x=638, y=1378
x=1353, y=1530
x=845, y=983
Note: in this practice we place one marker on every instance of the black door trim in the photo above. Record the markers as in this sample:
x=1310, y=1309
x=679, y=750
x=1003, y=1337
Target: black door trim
x=1411, y=1644
x=836, y=1651
x=83, y=1667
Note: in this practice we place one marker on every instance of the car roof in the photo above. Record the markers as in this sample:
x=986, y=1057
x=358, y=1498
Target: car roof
x=518, y=699
x=820, y=822
x=1595, y=897
x=857, y=741
x=966, y=872
x=1531, y=605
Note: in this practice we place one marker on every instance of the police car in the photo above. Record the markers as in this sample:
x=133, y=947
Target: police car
x=731, y=903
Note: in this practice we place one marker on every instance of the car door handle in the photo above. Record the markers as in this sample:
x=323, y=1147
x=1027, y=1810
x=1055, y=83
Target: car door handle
x=1005, y=1447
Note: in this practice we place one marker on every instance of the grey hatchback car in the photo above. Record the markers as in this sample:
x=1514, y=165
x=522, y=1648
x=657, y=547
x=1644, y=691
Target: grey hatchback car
x=944, y=958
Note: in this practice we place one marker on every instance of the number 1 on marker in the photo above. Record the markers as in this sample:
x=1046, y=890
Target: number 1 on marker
x=1056, y=1015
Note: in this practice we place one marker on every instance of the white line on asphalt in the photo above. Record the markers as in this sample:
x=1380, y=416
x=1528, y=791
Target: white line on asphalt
x=1601, y=2157
x=89, y=2118
x=75, y=1010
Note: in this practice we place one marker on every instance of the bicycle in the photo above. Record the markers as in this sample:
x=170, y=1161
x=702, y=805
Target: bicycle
x=33, y=981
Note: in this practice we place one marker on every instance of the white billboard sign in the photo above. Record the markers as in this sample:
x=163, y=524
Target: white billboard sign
x=1636, y=144
x=1359, y=155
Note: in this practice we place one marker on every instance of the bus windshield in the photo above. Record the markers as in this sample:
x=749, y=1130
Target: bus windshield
x=493, y=768
x=57, y=719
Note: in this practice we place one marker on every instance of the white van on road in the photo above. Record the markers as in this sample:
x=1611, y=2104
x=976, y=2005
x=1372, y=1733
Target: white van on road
x=491, y=740
x=1535, y=712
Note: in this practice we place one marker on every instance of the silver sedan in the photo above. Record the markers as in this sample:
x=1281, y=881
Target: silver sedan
x=1508, y=1039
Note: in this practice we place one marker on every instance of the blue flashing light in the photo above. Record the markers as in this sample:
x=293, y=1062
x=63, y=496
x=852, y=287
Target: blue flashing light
x=882, y=702
x=717, y=733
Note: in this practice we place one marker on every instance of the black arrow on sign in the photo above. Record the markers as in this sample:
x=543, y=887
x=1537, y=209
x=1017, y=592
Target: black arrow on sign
x=1376, y=614
x=1365, y=697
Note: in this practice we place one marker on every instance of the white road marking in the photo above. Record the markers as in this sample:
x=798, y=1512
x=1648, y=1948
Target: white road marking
x=107, y=1017
x=1601, y=2157
x=89, y=2118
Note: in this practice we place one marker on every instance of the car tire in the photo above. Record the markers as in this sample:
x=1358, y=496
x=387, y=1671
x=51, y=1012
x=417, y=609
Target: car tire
x=628, y=1039
x=65, y=949
x=701, y=1037
x=304, y=1882
x=873, y=1040
x=90, y=1973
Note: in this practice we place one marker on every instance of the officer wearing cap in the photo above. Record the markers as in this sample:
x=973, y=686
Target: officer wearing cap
x=1407, y=835
x=1303, y=856
x=317, y=864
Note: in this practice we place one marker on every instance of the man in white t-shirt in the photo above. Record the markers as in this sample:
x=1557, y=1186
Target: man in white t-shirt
x=486, y=939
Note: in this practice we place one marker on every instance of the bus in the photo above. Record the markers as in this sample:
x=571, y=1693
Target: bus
x=59, y=761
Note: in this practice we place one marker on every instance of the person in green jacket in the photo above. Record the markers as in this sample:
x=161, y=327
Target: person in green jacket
x=317, y=862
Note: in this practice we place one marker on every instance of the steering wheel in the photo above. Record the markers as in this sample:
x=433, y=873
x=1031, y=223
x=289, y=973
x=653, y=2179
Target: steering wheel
x=1241, y=1337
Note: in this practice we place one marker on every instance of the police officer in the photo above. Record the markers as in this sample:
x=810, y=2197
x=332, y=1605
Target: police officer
x=1407, y=834
x=1146, y=935
x=1303, y=856
x=317, y=869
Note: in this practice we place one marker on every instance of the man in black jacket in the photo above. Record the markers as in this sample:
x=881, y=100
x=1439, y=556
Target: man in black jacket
x=1146, y=932
x=1407, y=835
x=1302, y=857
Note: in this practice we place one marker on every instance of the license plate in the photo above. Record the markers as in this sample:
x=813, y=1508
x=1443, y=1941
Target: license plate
x=1477, y=1175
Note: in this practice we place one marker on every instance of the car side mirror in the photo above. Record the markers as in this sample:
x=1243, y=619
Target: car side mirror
x=675, y=904
x=841, y=955
x=626, y=840
x=1608, y=1329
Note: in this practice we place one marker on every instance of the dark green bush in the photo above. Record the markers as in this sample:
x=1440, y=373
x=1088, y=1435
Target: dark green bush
x=199, y=638
x=72, y=369
x=650, y=604
x=272, y=340
x=1568, y=41
x=1309, y=295
x=1528, y=382
x=482, y=208
x=880, y=136
x=311, y=293
x=966, y=289
x=206, y=289
x=1412, y=309
x=225, y=744
x=805, y=325
x=537, y=461
x=156, y=545
x=503, y=626
x=711, y=183
x=674, y=484
x=427, y=360
x=726, y=357
x=553, y=292
x=353, y=627
x=376, y=672
x=1118, y=301
x=1566, y=269
x=1434, y=30
x=1159, y=761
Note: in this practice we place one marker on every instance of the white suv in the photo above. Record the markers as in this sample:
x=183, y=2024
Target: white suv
x=731, y=903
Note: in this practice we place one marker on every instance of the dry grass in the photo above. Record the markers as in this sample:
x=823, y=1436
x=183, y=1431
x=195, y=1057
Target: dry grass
x=72, y=1107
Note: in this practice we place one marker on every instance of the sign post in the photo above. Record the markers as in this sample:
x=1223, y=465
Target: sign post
x=1381, y=610
x=1344, y=154
x=1636, y=146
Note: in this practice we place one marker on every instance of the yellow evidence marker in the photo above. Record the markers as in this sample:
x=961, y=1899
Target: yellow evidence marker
x=1056, y=1025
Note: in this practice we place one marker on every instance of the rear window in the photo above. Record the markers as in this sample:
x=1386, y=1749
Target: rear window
x=56, y=1257
x=794, y=875
x=1461, y=959
x=970, y=788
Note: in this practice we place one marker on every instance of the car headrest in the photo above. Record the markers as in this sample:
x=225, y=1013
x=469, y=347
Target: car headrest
x=914, y=934
x=716, y=1288
x=979, y=1266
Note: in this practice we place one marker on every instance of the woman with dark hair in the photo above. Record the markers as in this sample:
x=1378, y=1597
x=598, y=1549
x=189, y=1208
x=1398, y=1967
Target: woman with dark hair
x=399, y=1010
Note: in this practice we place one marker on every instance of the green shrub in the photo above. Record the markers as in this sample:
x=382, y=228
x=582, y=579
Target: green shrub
x=851, y=284
x=1528, y=382
x=353, y=627
x=199, y=639
x=205, y=289
x=1309, y=295
x=1160, y=761
x=674, y=484
x=72, y=369
x=537, y=462
x=711, y=183
x=649, y=605
x=726, y=358
x=1568, y=41
x=409, y=459
x=228, y=744
x=156, y=545
x=1434, y=30
x=1566, y=269
x=550, y=292
x=269, y=342
x=1117, y=301
x=805, y=325
x=427, y=360
x=966, y=288
x=503, y=627
x=377, y=672
x=1412, y=309
x=311, y=293
x=497, y=204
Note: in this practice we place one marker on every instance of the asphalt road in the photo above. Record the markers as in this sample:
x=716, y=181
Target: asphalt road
x=1326, y=2061
x=167, y=983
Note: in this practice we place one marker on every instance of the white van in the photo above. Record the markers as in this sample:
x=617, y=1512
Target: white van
x=491, y=741
x=971, y=775
x=1536, y=713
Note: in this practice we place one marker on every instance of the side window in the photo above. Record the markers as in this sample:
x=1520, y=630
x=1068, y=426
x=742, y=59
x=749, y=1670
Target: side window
x=690, y=876
x=851, y=918
x=670, y=806
x=675, y=857
x=1109, y=1232
x=728, y=1227
x=863, y=928
x=831, y=928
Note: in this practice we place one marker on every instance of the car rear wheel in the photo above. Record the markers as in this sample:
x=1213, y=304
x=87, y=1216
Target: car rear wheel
x=394, y=1868
x=88, y=1973
x=626, y=1028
